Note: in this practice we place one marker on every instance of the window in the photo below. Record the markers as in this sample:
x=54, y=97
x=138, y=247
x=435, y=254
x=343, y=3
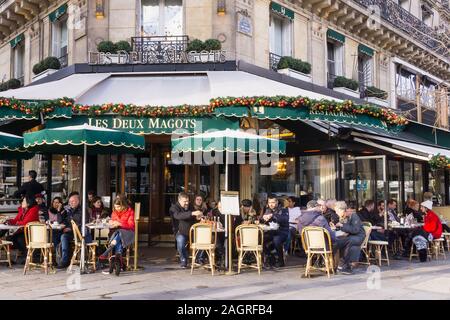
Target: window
x=318, y=177
x=283, y=181
x=427, y=15
x=60, y=40
x=364, y=71
x=162, y=17
x=394, y=178
x=18, y=61
x=405, y=4
x=405, y=84
x=335, y=53
x=8, y=178
x=280, y=35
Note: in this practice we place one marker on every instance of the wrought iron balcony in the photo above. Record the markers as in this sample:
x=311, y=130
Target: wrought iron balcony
x=160, y=49
x=400, y=18
x=273, y=61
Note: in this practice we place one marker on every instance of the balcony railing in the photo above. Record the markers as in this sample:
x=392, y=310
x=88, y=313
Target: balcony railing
x=160, y=49
x=411, y=25
x=273, y=61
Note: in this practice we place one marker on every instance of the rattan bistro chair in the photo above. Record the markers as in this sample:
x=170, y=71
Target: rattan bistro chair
x=92, y=247
x=203, y=237
x=364, y=246
x=38, y=237
x=132, y=250
x=249, y=239
x=317, y=242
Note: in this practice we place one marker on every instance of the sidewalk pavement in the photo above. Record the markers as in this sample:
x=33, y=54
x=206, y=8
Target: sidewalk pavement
x=163, y=279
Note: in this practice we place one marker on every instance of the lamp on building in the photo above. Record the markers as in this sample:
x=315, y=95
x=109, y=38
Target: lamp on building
x=99, y=9
x=221, y=7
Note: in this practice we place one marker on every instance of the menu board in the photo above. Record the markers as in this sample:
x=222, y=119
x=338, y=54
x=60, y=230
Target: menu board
x=229, y=201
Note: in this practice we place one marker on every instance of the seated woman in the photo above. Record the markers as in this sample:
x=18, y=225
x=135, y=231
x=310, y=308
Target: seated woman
x=98, y=209
x=122, y=222
x=28, y=212
x=54, y=215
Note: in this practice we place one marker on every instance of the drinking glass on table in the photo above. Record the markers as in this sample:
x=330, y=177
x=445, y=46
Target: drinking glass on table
x=97, y=218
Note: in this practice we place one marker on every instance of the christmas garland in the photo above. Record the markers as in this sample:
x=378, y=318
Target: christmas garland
x=346, y=107
x=439, y=162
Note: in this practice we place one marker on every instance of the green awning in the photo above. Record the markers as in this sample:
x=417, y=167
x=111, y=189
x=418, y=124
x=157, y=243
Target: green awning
x=335, y=36
x=14, y=42
x=285, y=12
x=233, y=141
x=159, y=125
x=305, y=114
x=11, y=147
x=55, y=15
x=12, y=114
x=366, y=50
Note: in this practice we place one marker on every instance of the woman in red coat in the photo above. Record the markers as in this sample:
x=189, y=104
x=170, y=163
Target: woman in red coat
x=122, y=220
x=432, y=223
x=28, y=212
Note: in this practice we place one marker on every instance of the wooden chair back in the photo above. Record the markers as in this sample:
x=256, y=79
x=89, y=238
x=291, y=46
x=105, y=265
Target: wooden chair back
x=202, y=234
x=36, y=234
x=316, y=240
x=368, y=229
x=76, y=233
x=250, y=236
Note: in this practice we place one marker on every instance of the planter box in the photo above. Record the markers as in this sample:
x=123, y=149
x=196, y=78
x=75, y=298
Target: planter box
x=348, y=91
x=378, y=101
x=296, y=74
x=43, y=74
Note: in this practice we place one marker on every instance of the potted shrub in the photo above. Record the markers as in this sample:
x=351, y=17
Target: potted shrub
x=295, y=68
x=46, y=67
x=204, y=51
x=110, y=50
x=346, y=86
x=377, y=96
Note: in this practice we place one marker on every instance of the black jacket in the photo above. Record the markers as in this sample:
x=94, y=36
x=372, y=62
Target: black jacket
x=354, y=227
x=29, y=189
x=183, y=217
x=372, y=217
x=280, y=215
x=69, y=214
x=331, y=216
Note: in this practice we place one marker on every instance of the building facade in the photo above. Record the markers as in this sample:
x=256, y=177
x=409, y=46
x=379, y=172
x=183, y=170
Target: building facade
x=389, y=53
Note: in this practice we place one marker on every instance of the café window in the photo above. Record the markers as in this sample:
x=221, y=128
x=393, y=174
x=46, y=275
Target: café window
x=66, y=175
x=280, y=32
x=38, y=163
x=8, y=178
x=317, y=177
x=162, y=17
x=282, y=182
x=18, y=61
x=60, y=39
x=394, y=178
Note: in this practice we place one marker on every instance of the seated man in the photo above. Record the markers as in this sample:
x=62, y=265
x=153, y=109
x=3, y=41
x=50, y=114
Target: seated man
x=274, y=239
x=294, y=214
x=369, y=214
x=348, y=245
x=313, y=217
x=327, y=210
x=72, y=211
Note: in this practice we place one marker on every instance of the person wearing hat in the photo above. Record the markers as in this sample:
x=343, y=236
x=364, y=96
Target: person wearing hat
x=432, y=223
x=432, y=229
x=247, y=213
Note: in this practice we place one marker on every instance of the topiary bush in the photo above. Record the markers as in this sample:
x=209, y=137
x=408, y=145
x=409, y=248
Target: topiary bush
x=3, y=86
x=124, y=46
x=294, y=64
x=212, y=44
x=376, y=93
x=47, y=63
x=195, y=45
x=13, y=84
x=346, y=83
x=107, y=46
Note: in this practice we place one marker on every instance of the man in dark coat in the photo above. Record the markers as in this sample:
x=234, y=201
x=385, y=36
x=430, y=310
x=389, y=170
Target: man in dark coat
x=73, y=211
x=369, y=214
x=186, y=218
x=350, y=244
x=274, y=239
x=31, y=188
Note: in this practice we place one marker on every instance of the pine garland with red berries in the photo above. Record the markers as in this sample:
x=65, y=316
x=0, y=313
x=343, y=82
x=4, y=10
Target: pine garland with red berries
x=345, y=107
x=439, y=162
